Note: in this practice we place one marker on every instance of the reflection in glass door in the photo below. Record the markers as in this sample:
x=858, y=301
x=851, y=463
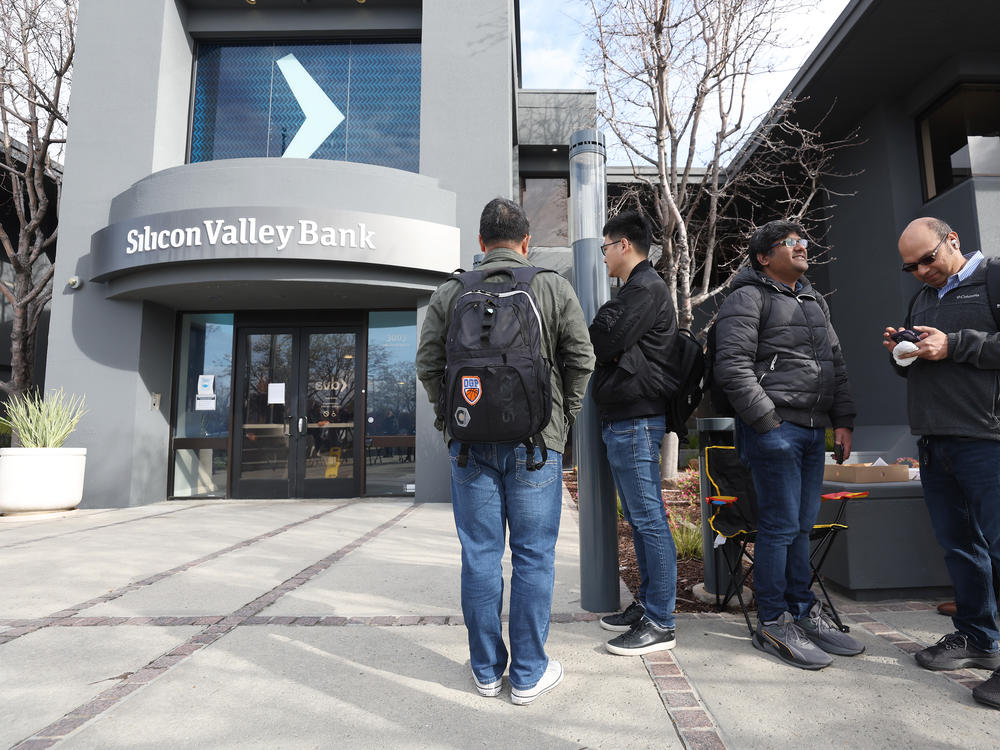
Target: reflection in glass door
x=329, y=413
x=296, y=396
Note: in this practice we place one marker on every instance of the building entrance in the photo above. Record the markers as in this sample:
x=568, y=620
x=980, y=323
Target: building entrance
x=297, y=396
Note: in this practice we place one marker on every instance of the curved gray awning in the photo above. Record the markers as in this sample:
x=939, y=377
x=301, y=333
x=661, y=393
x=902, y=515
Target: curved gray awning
x=292, y=233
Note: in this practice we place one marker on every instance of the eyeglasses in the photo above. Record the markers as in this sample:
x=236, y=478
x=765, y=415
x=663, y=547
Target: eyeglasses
x=925, y=261
x=789, y=242
x=605, y=246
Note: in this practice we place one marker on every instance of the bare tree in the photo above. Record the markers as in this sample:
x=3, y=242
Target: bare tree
x=37, y=44
x=675, y=75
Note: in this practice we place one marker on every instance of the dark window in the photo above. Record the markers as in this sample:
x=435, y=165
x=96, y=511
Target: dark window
x=960, y=137
x=249, y=100
x=545, y=203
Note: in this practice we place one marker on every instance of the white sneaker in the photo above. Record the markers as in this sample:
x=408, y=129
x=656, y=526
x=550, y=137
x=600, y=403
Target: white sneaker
x=553, y=676
x=489, y=689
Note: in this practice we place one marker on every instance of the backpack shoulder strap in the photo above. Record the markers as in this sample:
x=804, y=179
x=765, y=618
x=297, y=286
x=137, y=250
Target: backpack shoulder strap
x=993, y=288
x=765, y=309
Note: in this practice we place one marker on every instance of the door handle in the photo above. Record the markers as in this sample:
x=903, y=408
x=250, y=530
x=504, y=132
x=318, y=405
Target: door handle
x=302, y=425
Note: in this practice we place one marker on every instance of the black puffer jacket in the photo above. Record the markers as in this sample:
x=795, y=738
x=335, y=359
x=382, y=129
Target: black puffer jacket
x=634, y=336
x=792, y=368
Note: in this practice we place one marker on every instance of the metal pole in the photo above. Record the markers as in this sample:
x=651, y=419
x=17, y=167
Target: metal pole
x=599, y=586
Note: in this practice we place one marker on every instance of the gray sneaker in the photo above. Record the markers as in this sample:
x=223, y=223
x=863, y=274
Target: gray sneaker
x=785, y=639
x=819, y=629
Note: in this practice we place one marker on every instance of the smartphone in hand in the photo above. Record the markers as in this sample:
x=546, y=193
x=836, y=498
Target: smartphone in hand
x=838, y=452
x=906, y=334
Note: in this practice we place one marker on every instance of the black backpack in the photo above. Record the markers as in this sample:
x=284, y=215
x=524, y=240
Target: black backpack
x=496, y=386
x=720, y=402
x=688, y=386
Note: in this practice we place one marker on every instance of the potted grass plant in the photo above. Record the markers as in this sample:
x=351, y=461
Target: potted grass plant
x=41, y=475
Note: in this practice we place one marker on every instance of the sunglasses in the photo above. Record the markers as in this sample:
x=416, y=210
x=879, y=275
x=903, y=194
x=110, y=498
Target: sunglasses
x=789, y=242
x=925, y=261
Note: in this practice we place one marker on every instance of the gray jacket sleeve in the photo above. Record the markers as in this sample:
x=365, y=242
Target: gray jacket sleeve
x=736, y=335
x=574, y=352
x=431, y=357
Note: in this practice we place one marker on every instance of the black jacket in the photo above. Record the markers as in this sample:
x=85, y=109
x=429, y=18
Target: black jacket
x=788, y=368
x=634, y=336
x=959, y=395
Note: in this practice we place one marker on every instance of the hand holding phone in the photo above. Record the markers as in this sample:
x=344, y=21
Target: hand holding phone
x=838, y=452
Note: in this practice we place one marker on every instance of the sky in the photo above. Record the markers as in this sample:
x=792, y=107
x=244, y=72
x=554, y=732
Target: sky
x=554, y=49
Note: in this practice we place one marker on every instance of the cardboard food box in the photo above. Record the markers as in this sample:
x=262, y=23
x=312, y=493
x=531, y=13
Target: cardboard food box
x=865, y=473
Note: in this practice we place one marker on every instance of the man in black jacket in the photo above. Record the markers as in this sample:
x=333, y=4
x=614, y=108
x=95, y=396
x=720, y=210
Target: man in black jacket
x=787, y=382
x=634, y=336
x=953, y=397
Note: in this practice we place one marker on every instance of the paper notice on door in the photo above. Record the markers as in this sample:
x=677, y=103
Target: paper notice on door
x=204, y=403
x=275, y=393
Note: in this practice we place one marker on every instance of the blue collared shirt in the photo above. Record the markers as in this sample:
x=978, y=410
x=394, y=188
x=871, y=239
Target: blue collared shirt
x=972, y=261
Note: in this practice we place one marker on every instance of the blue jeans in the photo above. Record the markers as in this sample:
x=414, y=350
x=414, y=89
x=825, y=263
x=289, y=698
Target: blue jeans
x=787, y=469
x=961, y=480
x=633, y=447
x=493, y=493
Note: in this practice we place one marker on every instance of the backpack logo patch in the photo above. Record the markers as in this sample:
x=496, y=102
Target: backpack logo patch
x=472, y=389
x=462, y=418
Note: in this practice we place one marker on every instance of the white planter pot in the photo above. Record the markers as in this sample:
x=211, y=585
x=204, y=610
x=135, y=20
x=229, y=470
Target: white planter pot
x=41, y=479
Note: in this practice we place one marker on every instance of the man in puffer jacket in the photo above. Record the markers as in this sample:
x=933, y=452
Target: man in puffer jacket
x=787, y=382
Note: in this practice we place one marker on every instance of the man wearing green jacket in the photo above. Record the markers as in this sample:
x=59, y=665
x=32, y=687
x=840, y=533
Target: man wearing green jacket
x=494, y=492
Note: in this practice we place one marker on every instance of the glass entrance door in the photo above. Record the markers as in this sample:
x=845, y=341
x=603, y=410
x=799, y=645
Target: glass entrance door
x=296, y=403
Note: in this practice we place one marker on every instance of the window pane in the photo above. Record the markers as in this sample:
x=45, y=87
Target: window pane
x=390, y=439
x=960, y=137
x=200, y=472
x=245, y=105
x=545, y=203
x=206, y=349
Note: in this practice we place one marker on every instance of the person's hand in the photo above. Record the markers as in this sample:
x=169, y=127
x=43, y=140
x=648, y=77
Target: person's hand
x=933, y=344
x=844, y=437
x=887, y=342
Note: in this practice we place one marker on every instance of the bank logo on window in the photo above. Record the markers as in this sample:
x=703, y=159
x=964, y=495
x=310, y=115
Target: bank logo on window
x=344, y=101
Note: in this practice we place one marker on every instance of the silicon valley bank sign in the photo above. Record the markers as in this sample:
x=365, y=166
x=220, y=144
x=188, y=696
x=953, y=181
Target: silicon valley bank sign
x=262, y=233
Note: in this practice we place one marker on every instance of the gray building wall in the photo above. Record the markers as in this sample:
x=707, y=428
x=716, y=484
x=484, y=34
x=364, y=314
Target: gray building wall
x=120, y=352
x=869, y=291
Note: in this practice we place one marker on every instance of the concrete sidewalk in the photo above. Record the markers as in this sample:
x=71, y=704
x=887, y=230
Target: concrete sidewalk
x=331, y=624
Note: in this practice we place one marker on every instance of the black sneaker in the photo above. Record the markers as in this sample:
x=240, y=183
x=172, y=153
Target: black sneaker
x=785, y=639
x=622, y=622
x=643, y=638
x=954, y=651
x=989, y=692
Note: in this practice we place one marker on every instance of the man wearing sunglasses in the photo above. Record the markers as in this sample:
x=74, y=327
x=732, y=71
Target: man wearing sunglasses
x=787, y=382
x=953, y=403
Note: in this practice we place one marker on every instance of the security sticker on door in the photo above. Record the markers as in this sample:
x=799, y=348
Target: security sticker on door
x=472, y=389
x=205, y=396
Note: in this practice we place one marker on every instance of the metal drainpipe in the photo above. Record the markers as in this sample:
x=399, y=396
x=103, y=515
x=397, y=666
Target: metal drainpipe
x=588, y=188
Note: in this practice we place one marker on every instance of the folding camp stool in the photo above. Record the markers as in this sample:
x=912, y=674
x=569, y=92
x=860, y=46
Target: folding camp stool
x=734, y=518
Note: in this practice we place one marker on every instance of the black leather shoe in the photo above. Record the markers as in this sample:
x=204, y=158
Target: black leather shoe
x=644, y=638
x=622, y=622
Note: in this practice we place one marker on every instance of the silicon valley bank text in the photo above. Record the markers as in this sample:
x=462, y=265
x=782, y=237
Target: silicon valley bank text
x=247, y=231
